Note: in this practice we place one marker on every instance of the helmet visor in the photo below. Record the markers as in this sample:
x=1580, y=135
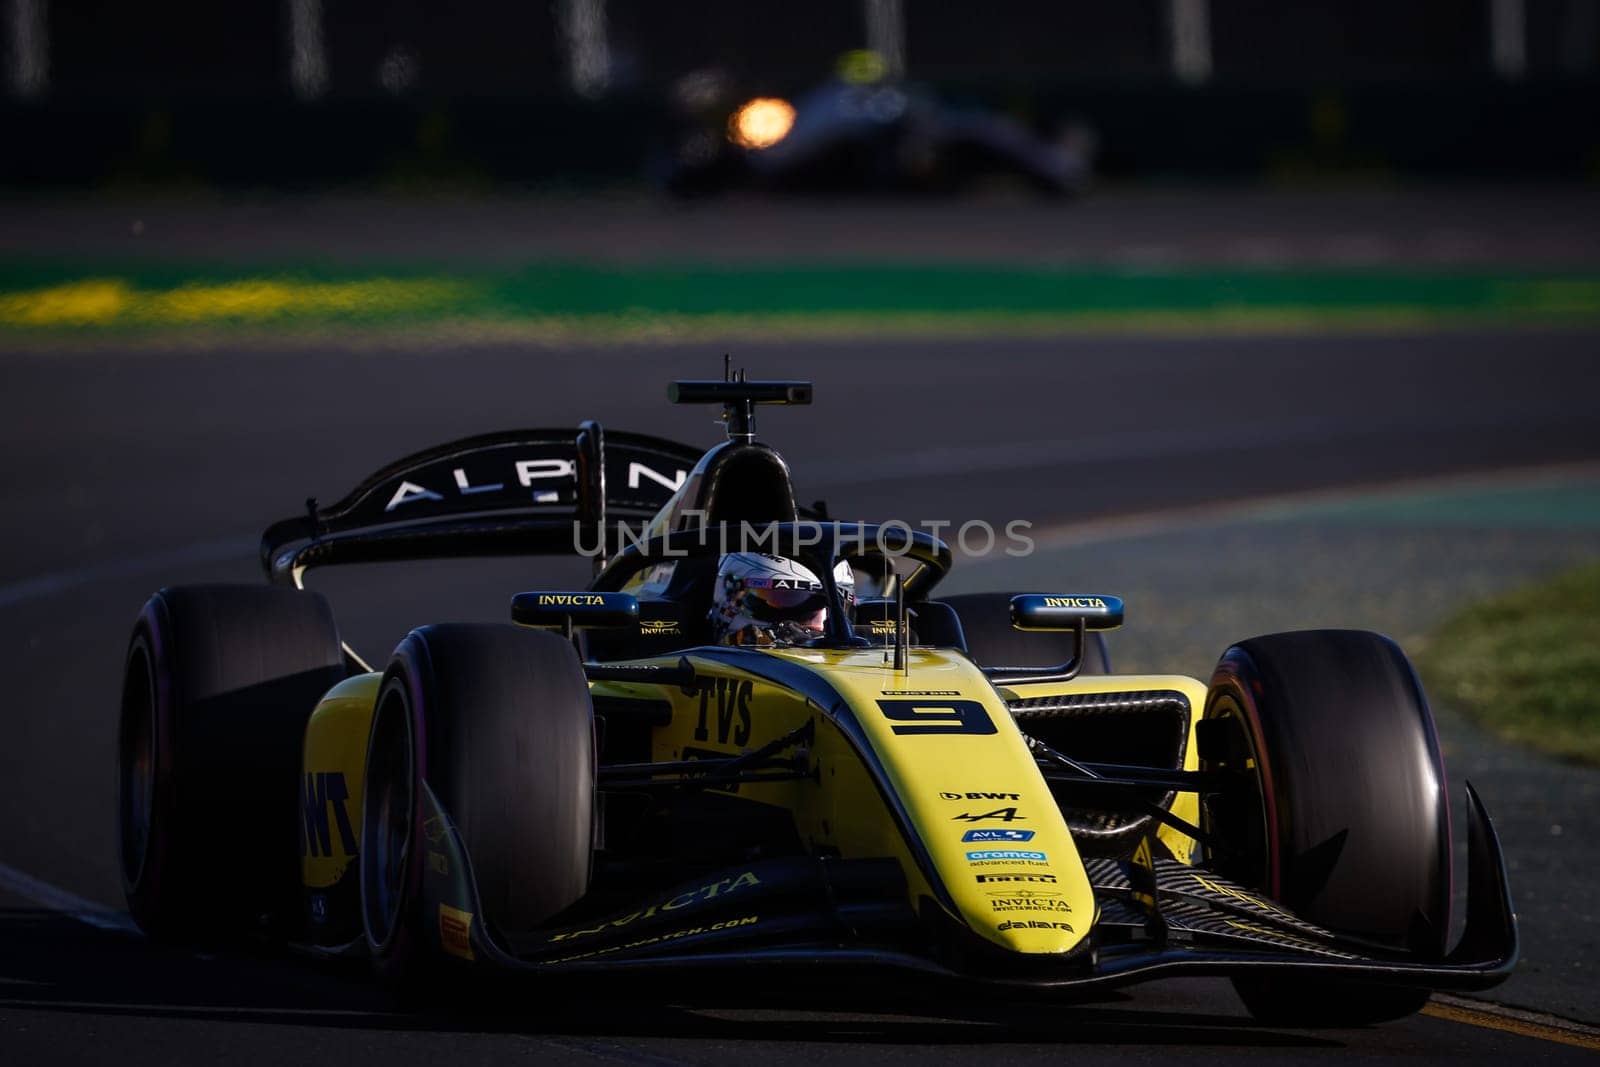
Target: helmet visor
x=784, y=600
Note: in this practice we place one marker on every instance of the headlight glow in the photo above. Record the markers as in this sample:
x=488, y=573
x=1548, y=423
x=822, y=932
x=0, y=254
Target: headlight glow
x=761, y=123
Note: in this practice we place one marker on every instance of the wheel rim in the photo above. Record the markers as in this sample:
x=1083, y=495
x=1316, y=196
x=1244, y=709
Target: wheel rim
x=137, y=753
x=1242, y=819
x=387, y=819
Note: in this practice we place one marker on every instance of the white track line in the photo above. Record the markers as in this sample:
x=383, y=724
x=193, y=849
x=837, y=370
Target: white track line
x=60, y=900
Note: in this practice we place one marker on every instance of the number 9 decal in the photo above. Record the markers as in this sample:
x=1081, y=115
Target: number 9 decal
x=937, y=716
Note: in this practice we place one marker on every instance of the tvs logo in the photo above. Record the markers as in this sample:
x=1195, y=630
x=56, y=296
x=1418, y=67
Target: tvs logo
x=1001, y=814
x=733, y=698
x=981, y=796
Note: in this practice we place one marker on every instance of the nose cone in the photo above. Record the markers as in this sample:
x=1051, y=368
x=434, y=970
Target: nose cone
x=1034, y=898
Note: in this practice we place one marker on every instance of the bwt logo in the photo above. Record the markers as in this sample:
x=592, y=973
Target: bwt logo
x=325, y=790
x=981, y=796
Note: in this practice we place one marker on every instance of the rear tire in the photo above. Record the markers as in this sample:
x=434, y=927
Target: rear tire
x=218, y=685
x=1348, y=826
x=496, y=721
x=993, y=642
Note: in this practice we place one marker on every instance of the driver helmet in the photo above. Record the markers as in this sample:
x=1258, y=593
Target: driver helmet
x=761, y=599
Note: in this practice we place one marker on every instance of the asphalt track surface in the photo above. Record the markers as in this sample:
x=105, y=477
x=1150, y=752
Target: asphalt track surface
x=1446, y=226
x=126, y=471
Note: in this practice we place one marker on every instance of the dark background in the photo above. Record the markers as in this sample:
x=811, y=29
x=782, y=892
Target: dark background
x=478, y=91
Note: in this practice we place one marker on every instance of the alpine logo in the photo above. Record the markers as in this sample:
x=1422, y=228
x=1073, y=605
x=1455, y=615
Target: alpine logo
x=1015, y=836
x=1002, y=814
x=533, y=475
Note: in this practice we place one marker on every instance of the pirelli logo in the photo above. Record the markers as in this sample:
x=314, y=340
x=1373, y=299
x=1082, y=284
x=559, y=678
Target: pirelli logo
x=455, y=931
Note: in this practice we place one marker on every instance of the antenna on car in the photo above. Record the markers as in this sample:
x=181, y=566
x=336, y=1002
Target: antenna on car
x=738, y=397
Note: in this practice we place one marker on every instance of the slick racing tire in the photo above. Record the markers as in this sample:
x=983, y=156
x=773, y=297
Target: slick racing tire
x=993, y=642
x=218, y=685
x=1346, y=823
x=495, y=720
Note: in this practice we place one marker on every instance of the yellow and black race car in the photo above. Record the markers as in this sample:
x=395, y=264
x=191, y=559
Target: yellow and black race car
x=955, y=787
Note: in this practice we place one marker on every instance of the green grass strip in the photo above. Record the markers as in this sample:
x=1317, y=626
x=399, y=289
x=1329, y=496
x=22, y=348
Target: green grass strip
x=73, y=297
x=1526, y=665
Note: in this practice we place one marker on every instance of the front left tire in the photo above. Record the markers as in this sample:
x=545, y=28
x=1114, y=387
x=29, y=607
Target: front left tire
x=496, y=721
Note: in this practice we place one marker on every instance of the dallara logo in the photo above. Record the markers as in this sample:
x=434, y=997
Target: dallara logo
x=1074, y=602
x=571, y=600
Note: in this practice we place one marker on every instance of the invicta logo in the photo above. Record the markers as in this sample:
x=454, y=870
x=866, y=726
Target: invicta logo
x=660, y=628
x=571, y=600
x=1074, y=602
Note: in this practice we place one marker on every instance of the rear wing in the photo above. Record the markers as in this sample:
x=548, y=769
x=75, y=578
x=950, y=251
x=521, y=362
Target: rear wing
x=518, y=492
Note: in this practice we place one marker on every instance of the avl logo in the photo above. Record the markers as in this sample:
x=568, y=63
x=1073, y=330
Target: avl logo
x=998, y=835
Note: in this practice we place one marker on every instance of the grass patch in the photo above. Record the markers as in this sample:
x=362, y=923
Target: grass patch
x=40, y=299
x=1526, y=665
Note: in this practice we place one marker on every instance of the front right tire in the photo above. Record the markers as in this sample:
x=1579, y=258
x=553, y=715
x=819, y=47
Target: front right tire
x=217, y=688
x=1346, y=823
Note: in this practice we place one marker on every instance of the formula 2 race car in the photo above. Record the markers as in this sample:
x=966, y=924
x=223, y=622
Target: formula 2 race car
x=949, y=787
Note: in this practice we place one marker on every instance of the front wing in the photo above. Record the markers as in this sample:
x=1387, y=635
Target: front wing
x=807, y=914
